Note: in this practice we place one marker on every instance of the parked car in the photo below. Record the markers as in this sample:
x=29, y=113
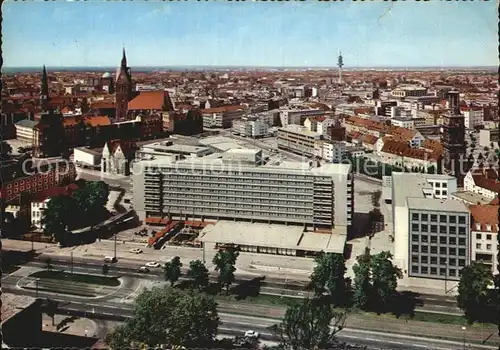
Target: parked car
x=144, y=269
x=110, y=259
x=152, y=264
x=136, y=250
x=251, y=334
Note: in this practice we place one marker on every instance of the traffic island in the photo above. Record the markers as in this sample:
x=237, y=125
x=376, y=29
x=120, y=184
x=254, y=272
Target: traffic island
x=83, y=285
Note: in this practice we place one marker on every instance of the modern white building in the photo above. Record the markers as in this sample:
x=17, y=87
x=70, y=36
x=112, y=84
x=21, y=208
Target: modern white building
x=333, y=151
x=169, y=149
x=431, y=235
x=237, y=185
x=298, y=139
x=24, y=130
x=251, y=127
x=403, y=122
x=473, y=116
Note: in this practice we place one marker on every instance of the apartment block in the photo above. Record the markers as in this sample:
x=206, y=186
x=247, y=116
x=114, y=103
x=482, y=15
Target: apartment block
x=484, y=230
x=431, y=234
x=298, y=139
x=237, y=185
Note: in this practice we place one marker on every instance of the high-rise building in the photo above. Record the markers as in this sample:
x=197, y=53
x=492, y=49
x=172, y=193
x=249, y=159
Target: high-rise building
x=340, y=64
x=453, y=139
x=123, y=89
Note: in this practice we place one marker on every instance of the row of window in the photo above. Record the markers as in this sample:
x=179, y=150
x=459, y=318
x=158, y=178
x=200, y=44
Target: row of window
x=439, y=184
x=426, y=270
x=442, y=240
x=238, y=184
x=443, y=218
x=424, y=249
x=270, y=192
x=443, y=229
x=433, y=260
x=480, y=236
x=480, y=246
x=221, y=172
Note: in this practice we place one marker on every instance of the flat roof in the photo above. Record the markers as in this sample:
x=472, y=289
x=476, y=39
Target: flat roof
x=299, y=129
x=437, y=204
x=12, y=304
x=93, y=151
x=472, y=198
x=175, y=148
x=272, y=235
x=406, y=185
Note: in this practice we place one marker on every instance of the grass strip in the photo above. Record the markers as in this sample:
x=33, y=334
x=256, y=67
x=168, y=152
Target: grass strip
x=76, y=277
x=75, y=293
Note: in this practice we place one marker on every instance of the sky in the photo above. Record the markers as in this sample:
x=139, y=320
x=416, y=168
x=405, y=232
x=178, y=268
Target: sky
x=274, y=34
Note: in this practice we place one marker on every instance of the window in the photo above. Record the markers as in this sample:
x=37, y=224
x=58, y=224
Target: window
x=424, y=217
x=434, y=239
x=461, y=241
x=424, y=249
x=461, y=252
x=442, y=229
x=434, y=218
x=442, y=261
x=414, y=248
x=488, y=237
x=453, y=251
x=414, y=269
x=434, y=229
x=438, y=184
x=478, y=236
x=442, y=271
x=433, y=271
x=452, y=240
x=414, y=258
x=414, y=238
x=442, y=250
x=461, y=219
x=424, y=228
x=424, y=239
x=461, y=262
x=442, y=240
x=444, y=193
x=452, y=272
x=414, y=216
x=452, y=219
x=424, y=259
x=424, y=270
x=488, y=246
x=444, y=185
x=452, y=262
x=461, y=230
x=442, y=218
x=414, y=227
x=478, y=245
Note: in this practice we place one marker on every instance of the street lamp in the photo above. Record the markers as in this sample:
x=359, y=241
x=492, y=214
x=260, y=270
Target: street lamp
x=464, y=329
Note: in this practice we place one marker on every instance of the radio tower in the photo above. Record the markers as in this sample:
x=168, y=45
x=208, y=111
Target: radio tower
x=340, y=64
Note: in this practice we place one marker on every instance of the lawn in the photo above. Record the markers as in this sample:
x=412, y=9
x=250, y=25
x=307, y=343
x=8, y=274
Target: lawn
x=76, y=277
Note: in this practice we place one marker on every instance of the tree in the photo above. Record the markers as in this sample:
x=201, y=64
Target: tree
x=309, y=325
x=91, y=200
x=58, y=216
x=50, y=308
x=431, y=169
x=170, y=317
x=328, y=275
x=198, y=274
x=384, y=278
x=224, y=262
x=226, y=276
x=172, y=270
x=362, y=281
x=105, y=269
x=5, y=150
x=473, y=291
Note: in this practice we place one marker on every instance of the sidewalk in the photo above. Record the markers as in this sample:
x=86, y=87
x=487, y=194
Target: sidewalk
x=69, y=325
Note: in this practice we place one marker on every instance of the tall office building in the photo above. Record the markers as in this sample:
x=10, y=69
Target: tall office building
x=238, y=185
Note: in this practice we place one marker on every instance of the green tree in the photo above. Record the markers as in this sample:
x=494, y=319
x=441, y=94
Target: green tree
x=58, y=217
x=50, y=307
x=170, y=317
x=198, y=273
x=310, y=325
x=105, y=269
x=226, y=276
x=172, y=270
x=91, y=200
x=5, y=150
x=224, y=262
x=328, y=275
x=431, y=169
x=362, y=281
x=384, y=278
x=473, y=290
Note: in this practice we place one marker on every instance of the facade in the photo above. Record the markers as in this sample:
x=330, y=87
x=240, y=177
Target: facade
x=168, y=149
x=484, y=231
x=40, y=200
x=298, y=139
x=334, y=152
x=483, y=182
x=489, y=136
x=431, y=234
x=473, y=116
x=453, y=139
x=117, y=156
x=24, y=130
x=319, y=124
x=83, y=156
x=406, y=91
x=251, y=127
x=183, y=123
x=402, y=122
x=222, y=117
x=298, y=115
x=51, y=175
x=236, y=185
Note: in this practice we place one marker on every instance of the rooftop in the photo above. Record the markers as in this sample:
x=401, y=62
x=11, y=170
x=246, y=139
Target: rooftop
x=13, y=303
x=272, y=235
x=412, y=185
x=27, y=123
x=299, y=129
x=437, y=204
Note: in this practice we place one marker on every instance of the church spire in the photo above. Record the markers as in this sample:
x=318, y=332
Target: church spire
x=124, y=59
x=44, y=93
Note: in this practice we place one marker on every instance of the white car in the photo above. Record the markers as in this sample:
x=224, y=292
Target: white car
x=251, y=334
x=136, y=251
x=152, y=264
x=144, y=269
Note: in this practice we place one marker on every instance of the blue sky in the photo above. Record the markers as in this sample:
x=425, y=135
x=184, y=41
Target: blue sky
x=309, y=33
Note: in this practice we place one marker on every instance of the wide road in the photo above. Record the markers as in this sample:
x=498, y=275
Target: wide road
x=266, y=286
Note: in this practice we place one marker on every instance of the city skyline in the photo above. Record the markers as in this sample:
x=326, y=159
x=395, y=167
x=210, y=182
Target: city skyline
x=72, y=34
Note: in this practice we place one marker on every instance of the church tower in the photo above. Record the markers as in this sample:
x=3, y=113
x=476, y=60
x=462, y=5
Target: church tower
x=123, y=89
x=44, y=93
